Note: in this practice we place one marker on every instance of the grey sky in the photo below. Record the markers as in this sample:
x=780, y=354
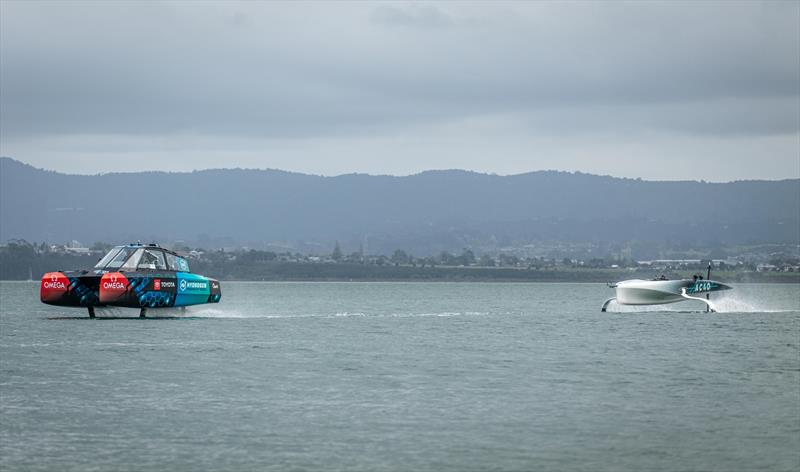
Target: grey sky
x=655, y=90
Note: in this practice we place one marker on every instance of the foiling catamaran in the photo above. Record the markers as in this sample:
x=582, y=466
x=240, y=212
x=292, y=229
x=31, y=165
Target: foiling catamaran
x=132, y=276
x=661, y=291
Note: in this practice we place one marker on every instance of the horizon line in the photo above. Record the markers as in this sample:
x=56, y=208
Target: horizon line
x=426, y=171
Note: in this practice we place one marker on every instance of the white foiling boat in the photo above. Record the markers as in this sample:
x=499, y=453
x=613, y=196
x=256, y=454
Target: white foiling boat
x=661, y=291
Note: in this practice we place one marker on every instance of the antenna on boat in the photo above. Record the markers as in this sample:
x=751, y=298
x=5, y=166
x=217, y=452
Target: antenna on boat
x=708, y=277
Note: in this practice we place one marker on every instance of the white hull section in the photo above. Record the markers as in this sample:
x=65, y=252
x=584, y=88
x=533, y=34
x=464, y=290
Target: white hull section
x=650, y=292
x=660, y=292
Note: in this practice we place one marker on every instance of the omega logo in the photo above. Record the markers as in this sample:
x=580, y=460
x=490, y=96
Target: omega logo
x=114, y=284
x=54, y=283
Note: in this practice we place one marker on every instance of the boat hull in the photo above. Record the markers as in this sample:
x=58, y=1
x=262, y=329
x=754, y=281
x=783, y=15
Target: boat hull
x=158, y=290
x=659, y=292
x=143, y=289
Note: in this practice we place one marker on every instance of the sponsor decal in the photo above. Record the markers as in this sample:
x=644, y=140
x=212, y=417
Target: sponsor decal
x=54, y=287
x=113, y=287
x=702, y=286
x=192, y=284
x=167, y=283
x=214, y=285
x=112, y=283
x=157, y=284
x=54, y=283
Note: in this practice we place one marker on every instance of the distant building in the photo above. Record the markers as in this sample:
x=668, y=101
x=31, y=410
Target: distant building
x=669, y=262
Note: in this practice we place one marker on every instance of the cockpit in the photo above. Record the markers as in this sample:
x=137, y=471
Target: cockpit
x=133, y=258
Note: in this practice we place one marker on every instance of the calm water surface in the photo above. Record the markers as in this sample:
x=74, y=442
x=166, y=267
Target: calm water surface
x=404, y=376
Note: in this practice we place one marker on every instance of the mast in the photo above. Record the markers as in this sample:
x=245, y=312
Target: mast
x=708, y=277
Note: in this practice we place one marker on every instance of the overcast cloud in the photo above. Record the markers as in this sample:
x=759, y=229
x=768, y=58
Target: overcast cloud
x=655, y=90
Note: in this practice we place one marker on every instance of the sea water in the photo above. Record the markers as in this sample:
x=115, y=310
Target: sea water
x=404, y=376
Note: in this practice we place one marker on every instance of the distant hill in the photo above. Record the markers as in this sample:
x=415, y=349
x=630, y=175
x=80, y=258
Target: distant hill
x=424, y=213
